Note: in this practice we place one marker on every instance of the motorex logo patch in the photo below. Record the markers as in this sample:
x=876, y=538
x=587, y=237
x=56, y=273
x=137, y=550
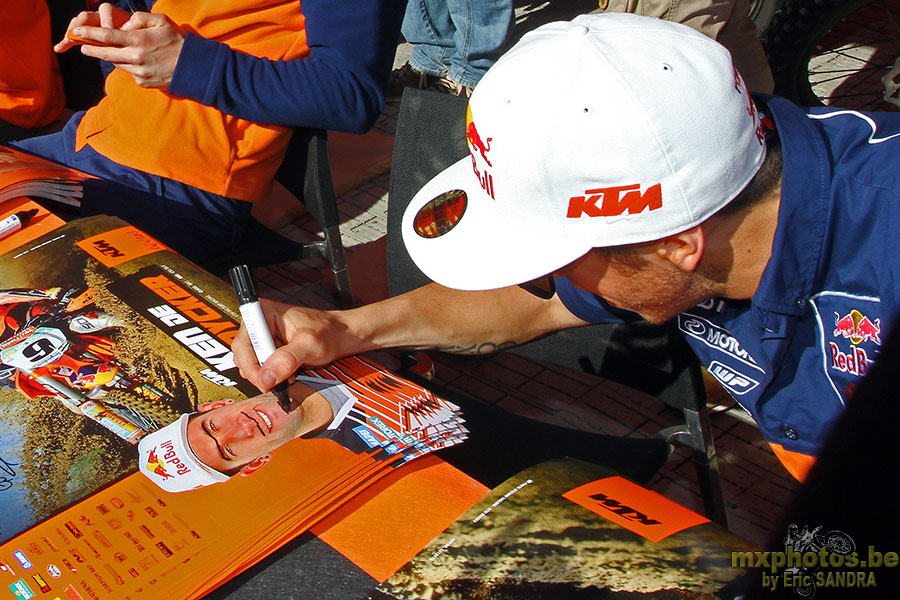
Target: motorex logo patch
x=715, y=337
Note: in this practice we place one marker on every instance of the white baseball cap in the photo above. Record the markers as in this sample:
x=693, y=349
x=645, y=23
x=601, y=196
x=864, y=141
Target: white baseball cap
x=609, y=129
x=166, y=458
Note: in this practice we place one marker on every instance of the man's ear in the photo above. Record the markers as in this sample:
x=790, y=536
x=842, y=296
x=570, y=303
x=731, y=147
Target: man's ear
x=254, y=466
x=208, y=406
x=685, y=249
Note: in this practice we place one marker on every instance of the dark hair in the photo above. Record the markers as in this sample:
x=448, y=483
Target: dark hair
x=763, y=183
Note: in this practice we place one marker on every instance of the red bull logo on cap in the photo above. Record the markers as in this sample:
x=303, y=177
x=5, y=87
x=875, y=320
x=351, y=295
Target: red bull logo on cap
x=751, y=107
x=170, y=456
x=857, y=327
x=478, y=150
x=156, y=466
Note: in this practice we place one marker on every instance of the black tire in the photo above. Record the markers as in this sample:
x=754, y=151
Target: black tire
x=762, y=12
x=834, y=52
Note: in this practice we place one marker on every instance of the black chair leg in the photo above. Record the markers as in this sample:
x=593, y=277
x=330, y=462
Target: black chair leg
x=696, y=434
x=334, y=252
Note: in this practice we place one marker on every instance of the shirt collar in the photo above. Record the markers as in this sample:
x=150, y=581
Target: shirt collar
x=790, y=274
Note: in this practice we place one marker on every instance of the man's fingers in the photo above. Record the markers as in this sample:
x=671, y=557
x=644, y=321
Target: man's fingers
x=279, y=367
x=245, y=357
x=123, y=58
x=142, y=20
x=63, y=45
x=100, y=36
x=107, y=15
x=83, y=18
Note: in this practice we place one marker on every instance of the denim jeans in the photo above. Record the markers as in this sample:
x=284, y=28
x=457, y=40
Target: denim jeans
x=457, y=39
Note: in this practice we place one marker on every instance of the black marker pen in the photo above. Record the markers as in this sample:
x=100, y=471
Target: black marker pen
x=255, y=321
x=13, y=223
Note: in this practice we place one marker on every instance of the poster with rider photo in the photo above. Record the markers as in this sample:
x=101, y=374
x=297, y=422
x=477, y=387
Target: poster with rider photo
x=106, y=336
x=87, y=365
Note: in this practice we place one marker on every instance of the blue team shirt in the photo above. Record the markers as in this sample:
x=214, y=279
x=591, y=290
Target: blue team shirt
x=792, y=355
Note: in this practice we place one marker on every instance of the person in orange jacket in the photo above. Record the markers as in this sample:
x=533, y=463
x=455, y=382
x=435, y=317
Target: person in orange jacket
x=31, y=89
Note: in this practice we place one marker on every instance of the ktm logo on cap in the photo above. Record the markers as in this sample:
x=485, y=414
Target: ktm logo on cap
x=154, y=465
x=615, y=200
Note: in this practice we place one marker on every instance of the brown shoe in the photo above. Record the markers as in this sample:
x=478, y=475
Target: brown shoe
x=448, y=86
x=404, y=77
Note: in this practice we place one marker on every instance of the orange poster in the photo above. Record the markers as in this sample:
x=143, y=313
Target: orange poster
x=107, y=338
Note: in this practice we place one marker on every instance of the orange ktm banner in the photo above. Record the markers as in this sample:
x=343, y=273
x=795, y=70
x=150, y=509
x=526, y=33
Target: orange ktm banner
x=645, y=512
x=120, y=245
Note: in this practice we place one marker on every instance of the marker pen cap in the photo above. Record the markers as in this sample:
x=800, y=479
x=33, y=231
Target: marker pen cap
x=243, y=284
x=251, y=313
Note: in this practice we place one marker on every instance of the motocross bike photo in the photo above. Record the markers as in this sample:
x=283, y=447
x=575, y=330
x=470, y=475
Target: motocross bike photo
x=56, y=342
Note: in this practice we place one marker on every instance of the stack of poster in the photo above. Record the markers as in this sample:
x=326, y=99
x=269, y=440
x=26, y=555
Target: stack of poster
x=22, y=174
x=107, y=336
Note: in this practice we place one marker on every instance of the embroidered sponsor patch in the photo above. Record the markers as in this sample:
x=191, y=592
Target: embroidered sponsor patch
x=850, y=328
x=736, y=383
x=715, y=337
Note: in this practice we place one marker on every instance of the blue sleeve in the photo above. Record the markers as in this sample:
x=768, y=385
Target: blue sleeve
x=339, y=86
x=133, y=5
x=590, y=307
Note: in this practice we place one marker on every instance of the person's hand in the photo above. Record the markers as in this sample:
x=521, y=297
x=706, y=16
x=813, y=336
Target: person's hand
x=145, y=45
x=304, y=337
x=107, y=16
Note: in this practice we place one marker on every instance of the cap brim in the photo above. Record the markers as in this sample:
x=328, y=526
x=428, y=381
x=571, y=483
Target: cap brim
x=492, y=246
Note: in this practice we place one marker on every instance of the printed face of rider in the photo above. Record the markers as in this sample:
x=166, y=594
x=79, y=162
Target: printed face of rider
x=230, y=435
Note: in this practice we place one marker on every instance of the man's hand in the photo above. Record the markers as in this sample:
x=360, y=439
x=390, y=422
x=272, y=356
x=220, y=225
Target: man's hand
x=146, y=45
x=310, y=338
x=107, y=16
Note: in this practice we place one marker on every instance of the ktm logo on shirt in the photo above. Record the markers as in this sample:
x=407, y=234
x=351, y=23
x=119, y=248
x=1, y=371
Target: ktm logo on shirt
x=614, y=201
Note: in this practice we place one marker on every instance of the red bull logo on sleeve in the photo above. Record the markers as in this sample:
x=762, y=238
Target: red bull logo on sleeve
x=478, y=150
x=857, y=327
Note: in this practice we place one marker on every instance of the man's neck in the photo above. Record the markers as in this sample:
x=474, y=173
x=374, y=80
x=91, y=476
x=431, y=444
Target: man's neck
x=741, y=245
